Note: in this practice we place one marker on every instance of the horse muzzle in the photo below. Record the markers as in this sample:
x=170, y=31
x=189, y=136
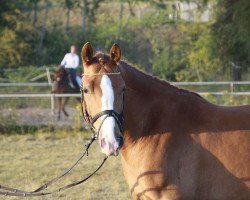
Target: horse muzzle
x=111, y=148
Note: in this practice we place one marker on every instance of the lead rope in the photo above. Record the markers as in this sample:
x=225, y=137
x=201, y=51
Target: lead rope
x=17, y=192
x=56, y=178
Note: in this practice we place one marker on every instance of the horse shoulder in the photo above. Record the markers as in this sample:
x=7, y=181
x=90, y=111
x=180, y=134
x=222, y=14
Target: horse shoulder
x=224, y=142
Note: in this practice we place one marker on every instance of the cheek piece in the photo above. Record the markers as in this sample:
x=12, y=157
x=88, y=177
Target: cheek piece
x=119, y=118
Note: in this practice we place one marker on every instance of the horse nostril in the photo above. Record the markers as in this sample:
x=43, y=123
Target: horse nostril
x=103, y=142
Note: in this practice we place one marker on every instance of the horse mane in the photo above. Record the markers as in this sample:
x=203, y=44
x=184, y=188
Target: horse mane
x=60, y=68
x=141, y=75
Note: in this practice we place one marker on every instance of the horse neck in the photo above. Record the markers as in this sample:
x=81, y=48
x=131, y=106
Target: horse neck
x=65, y=79
x=155, y=111
x=62, y=85
x=144, y=94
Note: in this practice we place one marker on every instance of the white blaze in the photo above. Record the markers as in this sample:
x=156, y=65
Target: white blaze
x=107, y=100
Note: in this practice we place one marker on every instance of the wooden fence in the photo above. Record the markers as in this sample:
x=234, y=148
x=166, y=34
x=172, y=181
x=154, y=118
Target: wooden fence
x=52, y=96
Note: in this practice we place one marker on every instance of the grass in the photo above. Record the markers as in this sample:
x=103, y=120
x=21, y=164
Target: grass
x=27, y=161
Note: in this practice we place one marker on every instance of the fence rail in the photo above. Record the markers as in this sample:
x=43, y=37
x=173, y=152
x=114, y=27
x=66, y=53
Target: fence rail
x=224, y=93
x=52, y=96
x=49, y=83
x=24, y=84
x=213, y=83
x=38, y=95
x=46, y=95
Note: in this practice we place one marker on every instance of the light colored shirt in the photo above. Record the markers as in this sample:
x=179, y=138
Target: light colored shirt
x=70, y=60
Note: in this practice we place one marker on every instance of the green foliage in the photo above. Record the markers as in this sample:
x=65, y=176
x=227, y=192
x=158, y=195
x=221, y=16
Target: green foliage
x=204, y=65
x=154, y=37
x=183, y=51
x=12, y=44
x=23, y=74
x=227, y=100
x=170, y=51
x=232, y=32
x=7, y=121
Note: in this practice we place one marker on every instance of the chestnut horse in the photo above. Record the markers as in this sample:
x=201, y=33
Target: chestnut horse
x=176, y=144
x=61, y=86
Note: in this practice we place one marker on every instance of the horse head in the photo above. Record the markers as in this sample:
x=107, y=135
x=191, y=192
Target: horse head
x=60, y=78
x=103, y=90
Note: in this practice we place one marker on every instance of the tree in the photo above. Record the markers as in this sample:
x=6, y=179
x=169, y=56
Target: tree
x=89, y=9
x=69, y=5
x=232, y=32
x=13, y=35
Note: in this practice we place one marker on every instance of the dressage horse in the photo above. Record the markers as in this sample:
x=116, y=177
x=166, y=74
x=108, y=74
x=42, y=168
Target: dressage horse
x=62, y=86
x=176, y=144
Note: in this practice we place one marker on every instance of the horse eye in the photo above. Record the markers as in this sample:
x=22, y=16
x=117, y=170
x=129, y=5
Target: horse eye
x=85, y=90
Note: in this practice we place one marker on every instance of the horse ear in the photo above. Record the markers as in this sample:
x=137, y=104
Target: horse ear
x=115, y=53
x=87, y=53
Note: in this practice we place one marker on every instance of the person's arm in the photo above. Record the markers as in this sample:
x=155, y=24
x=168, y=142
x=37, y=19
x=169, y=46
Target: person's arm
x=63, y=63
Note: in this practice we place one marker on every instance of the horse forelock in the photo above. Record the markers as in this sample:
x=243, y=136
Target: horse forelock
x=101, y=63
x=101, y=57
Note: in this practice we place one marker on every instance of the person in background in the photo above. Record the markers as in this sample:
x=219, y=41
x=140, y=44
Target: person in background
x=71, y=62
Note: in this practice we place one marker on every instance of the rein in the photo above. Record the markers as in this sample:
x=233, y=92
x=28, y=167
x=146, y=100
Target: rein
x=8, y=191
x=119, y=118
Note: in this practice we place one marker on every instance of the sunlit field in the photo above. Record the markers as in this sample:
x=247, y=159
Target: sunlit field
x=28, y=161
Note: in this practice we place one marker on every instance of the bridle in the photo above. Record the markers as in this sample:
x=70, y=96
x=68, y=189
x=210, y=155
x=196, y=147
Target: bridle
x=119, y=118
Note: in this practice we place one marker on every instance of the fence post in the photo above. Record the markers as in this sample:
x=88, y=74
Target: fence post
x=231, y=87
x=48, y=75
x=52, y=98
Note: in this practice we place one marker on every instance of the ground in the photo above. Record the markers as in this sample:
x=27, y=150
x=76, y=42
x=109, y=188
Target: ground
x=38, y=116
x=27, y=161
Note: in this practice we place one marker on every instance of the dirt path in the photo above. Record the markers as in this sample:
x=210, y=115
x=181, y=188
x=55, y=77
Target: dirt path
x=39, y=116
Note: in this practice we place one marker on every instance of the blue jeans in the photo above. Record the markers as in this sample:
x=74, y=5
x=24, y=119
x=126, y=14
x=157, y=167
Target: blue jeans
x=72, y=76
